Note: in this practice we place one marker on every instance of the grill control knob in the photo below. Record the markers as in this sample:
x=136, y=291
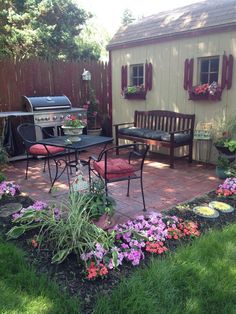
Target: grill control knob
x=54, y=117
x=61, y=117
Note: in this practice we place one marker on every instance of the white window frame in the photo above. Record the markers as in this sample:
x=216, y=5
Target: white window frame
x=209, y=72
x=131, y=77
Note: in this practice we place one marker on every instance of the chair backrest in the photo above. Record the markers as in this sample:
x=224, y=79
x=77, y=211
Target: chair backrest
x=29, y=133
x=168, y=121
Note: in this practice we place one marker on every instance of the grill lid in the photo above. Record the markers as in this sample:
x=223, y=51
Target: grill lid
x=31, y=104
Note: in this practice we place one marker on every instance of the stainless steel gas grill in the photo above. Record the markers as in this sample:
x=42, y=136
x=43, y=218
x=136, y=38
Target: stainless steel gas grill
x=49, y=111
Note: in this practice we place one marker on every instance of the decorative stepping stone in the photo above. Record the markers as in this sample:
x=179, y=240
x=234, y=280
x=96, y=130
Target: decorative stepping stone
x=221, y=206
x=206, y=211
x=9, y=209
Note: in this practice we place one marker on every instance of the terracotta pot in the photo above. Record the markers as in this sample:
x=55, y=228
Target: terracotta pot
x=94, y=132
x=105, y=222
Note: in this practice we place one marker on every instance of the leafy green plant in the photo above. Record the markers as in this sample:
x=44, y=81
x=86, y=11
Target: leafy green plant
x=3, y=161
x=222, y=162
x=231, y=172
x=134, y=89
x=71, y=231
x=3, y=155
x=99, y=202
x=75, y=232
x=231, y=145
x=30, y=220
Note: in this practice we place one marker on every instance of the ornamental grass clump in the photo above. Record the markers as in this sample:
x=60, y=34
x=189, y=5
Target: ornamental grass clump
x=74, y=232
x=63, y=230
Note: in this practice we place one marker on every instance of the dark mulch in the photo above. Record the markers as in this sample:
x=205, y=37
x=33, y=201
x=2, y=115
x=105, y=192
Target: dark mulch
x=70, y=275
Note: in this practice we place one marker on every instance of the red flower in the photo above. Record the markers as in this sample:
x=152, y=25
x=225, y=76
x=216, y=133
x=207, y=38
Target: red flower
x=34, y=243
x=155, y=247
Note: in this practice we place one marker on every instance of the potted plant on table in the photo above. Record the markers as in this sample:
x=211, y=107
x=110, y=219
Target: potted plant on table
x=73, y=127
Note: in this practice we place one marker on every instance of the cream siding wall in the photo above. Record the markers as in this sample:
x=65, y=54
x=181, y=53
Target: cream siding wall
x=168, y=71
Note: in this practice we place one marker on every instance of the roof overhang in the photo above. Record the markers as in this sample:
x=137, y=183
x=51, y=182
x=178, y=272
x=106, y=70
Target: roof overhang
x=169, y=37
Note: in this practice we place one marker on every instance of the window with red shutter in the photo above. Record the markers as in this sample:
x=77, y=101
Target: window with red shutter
x=208, y=87
x=140, y=81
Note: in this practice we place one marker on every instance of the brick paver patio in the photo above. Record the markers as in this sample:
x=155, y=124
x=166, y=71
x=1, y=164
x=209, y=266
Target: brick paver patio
x=163, y=187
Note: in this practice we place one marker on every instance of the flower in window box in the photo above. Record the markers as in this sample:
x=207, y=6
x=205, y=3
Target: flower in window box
x=205, y=92
x=135, y=92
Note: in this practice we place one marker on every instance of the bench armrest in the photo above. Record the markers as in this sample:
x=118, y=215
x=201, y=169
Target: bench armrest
x=117, y=130
x=118, y=124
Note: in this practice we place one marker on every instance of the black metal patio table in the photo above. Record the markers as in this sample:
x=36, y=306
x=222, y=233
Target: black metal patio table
x=86, y=142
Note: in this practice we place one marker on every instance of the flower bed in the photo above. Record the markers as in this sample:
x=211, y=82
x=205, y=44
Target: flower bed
x=134, y=242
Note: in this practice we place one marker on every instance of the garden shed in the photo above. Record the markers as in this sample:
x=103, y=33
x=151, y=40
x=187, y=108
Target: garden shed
x=179, y=60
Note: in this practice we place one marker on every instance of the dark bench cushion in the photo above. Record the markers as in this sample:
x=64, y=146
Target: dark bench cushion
x=179, y=138
x=144, y=133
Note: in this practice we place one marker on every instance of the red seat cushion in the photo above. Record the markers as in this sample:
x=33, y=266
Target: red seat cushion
x=39, y=149
x=116, y=168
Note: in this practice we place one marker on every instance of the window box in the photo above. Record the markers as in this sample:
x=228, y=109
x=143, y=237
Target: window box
x=134, y=92
x=208, y=92
x=137, y=95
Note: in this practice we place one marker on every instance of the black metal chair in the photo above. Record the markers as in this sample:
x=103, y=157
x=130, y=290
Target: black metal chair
x=30, y=133
x=128, y=166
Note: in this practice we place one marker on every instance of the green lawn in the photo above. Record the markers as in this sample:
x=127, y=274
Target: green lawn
x=200, y=278
x=23, y=291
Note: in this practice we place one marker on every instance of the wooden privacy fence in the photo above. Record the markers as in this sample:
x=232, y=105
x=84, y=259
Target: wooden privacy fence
x=36, y=77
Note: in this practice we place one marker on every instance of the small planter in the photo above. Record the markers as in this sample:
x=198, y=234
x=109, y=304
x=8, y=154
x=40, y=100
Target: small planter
x=137, y=96
x=73, y=132
x=94, y=132
x=105, y=222
x=220, y=172
x=206, y=96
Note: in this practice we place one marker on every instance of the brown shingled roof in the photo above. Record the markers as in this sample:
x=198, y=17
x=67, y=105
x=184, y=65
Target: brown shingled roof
x=197, y=16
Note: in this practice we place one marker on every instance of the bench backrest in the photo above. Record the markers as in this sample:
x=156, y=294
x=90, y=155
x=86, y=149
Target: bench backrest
x=168, y=121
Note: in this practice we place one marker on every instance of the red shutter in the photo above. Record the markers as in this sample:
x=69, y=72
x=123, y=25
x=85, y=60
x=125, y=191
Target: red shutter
x=190, y=74
x=146, y=77
x=149, y=77
x=224, y=71
x=230, y=71
x=186, y=63
x=123, y=77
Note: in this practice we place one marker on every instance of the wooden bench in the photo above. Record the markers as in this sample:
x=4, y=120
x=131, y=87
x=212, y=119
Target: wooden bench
x=161, y=128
